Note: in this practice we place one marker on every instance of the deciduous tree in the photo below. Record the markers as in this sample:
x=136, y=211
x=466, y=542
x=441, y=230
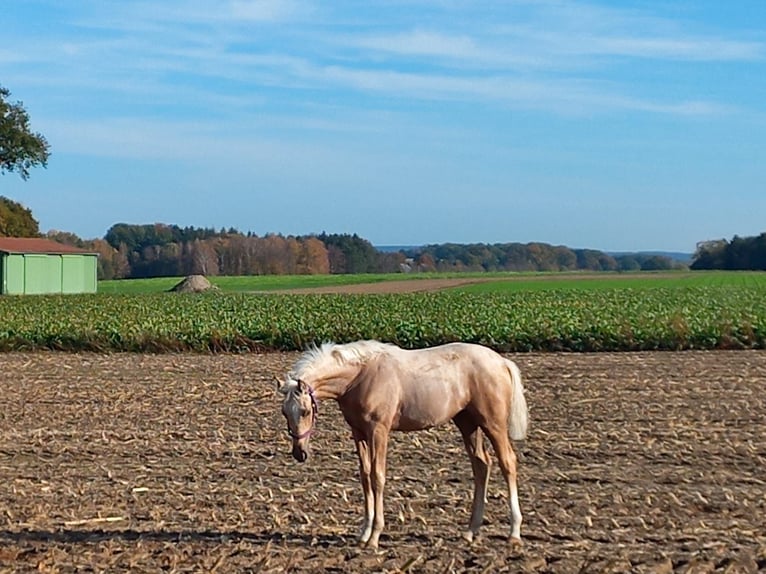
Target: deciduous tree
x=16, y=220
x=20, y=148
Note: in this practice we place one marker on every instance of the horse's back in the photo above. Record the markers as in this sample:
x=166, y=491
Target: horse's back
x=436, y=383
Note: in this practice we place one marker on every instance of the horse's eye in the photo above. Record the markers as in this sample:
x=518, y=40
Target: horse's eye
x=305, y=412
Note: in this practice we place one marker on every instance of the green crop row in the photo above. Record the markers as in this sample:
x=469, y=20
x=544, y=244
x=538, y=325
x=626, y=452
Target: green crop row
x=612, y=319
x=487, y=282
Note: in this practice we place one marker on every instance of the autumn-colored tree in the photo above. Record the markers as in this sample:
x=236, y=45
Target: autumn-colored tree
x=67, y=238
x=274, y=255
x=16, y=220
x=292, y=255
x=122, y=262
x=233, y=255
x=107, y=259
x=542, y=256
x=565, y=258
x=425, y=263
x=205, y=258
x=314, y=258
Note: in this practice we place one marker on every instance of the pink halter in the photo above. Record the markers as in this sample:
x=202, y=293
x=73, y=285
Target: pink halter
x=314, y=415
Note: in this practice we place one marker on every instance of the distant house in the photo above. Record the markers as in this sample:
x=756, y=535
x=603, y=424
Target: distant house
x=37, y=266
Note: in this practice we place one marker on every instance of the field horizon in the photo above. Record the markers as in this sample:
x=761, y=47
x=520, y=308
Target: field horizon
x=490, y=281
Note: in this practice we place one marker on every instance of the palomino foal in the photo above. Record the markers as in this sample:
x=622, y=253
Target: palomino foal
x=381, y=387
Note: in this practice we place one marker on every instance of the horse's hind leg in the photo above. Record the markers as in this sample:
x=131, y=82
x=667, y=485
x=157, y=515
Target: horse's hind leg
x=480, y=463
x=507, y=459
x=365, y=470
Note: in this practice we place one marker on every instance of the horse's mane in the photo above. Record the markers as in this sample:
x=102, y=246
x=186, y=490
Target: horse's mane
x=357, y=352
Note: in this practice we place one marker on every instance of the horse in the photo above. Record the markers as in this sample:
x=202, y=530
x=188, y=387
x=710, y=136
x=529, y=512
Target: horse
x=381, y=387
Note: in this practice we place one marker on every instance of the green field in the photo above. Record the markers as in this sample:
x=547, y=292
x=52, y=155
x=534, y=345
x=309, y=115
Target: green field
x=258, y=283
x=640, y=280
x=523, y=313
x=505, y=282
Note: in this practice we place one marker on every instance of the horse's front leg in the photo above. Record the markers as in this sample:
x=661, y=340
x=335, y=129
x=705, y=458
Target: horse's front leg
x=379, y=444
x=365, y=468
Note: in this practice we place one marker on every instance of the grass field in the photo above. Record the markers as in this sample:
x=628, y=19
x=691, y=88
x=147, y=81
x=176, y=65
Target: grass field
x=490, y=282
x=256, y=283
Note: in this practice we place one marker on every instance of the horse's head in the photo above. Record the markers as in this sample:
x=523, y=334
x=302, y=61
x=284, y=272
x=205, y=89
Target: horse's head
x=300, y=409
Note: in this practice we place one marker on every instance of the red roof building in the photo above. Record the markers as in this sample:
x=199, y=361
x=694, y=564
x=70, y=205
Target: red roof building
x=32, y=265
x=36, y=245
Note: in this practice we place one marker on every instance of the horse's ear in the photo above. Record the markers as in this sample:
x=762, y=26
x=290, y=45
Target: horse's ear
x=281, y=386
x=301, y=386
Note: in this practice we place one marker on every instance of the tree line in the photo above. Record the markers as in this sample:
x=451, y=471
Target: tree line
x=157, y=250
x=136, y=251
x=738, y=254
x=154, y=250
x=530, y=257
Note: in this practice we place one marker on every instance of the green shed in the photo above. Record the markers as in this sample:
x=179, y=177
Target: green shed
x=36, y=266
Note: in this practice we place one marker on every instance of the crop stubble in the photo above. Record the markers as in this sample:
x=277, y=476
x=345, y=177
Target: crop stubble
x=645, y=462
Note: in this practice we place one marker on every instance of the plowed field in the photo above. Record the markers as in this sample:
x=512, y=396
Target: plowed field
x=645, y=462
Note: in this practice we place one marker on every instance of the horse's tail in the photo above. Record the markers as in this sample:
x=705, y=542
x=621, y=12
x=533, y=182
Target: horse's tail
x=518, y=418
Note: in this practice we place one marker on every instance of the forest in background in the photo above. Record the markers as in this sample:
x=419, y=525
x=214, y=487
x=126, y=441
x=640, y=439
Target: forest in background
x=167, y=250
x=157, y=250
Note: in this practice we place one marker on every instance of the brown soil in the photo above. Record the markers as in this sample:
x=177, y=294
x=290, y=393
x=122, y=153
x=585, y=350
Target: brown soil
x=647, y=462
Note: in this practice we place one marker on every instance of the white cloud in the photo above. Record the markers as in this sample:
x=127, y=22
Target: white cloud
x=562, y=96
x=267, y=10
x=664, y=48
x=423, y=42
x=183, y=12
x=563, y=57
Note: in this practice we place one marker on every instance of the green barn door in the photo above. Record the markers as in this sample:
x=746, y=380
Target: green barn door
x=42, y=274
x=79, y=273
x=72, y=268
x=13, y=278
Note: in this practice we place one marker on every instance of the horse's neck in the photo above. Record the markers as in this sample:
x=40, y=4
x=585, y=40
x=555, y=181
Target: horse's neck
x=333, y=385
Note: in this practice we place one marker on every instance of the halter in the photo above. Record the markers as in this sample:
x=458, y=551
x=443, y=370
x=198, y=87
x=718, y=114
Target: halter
x=314, y=415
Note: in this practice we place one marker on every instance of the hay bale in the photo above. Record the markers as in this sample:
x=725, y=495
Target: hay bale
x=193, y=284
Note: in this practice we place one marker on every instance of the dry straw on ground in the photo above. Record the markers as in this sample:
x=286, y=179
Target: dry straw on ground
x=645, y=462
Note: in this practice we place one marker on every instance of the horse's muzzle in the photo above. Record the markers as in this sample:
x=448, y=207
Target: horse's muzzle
x=300, y=454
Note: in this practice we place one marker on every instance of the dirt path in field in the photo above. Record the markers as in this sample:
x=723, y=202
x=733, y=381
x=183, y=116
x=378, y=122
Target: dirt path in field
x=403, y=286
x=418, y=285
x=635, y=462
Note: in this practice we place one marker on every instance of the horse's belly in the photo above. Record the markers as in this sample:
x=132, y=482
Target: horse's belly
x=408, y=424
x=420, y=416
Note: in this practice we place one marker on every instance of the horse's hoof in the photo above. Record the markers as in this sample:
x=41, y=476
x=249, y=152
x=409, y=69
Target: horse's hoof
x=362, y=539
x=515, y=543
x=470, y=536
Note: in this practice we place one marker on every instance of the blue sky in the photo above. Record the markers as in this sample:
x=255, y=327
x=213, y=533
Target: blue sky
x=630, y=125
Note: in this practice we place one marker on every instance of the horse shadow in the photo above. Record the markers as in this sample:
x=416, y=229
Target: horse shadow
x=84, y=536
x=266, y=538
